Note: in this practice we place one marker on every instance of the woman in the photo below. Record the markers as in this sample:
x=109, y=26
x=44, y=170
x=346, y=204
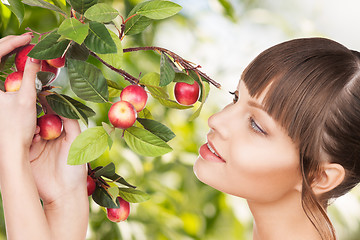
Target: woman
x=32, y=169
x=290, y=141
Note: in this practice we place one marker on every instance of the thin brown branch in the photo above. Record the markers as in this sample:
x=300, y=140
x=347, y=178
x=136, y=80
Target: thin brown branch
x=123, y=73
x=184, y=63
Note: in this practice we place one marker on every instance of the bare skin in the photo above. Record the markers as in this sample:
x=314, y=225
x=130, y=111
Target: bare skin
x=256, y=160
x=32, y=168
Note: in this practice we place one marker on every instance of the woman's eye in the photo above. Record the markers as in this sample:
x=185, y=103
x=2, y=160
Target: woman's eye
x=256, y=127
x=236, y=96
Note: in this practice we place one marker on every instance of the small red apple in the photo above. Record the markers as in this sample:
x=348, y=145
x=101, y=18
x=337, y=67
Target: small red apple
x=50, y=126
x=45, y=67
x=57, y=62
x=91, y=185
x=122, y=114
x=135, y=95
x=186, y=94
x=119, y=214
x=13, y=81
x=21, y=57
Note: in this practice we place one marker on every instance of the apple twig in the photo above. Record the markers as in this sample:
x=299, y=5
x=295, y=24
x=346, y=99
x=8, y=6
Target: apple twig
x=123, y=73
x=187, y=65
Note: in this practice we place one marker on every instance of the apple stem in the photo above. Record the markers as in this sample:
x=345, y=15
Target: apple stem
x=187, y=65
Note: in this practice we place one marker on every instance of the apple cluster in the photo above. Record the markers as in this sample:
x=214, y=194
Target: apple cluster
x=113, y=214
x=50, y=124
x=13, y=80
x=123, y=113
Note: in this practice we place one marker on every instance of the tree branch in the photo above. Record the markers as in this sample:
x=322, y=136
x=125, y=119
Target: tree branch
x=126, y=75
x=184, y=63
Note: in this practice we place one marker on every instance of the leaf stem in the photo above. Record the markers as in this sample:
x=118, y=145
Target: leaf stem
x=187, y=65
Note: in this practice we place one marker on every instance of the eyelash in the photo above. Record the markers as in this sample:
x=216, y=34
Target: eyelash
x=236, y=97
x=255, y=127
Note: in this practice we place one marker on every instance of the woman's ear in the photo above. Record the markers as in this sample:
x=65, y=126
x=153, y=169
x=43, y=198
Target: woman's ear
x=332, y=174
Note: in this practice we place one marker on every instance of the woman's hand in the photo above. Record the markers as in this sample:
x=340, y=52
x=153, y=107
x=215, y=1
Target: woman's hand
x=18, y=109
x=54, y=178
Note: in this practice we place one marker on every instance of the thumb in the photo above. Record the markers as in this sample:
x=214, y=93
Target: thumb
x=28, y=82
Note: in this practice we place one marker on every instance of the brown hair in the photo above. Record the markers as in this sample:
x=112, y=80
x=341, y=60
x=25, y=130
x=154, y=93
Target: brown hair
x=313, y=89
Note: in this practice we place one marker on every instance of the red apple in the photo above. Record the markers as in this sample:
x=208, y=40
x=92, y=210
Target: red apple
x=21, y=57
x=50, y=126
x=122, y=114
x=91, y=185
x=119, y=214
x=186, y=94
x=13, y=81
x=45, y=67
x=57, y=62
x=135, y=95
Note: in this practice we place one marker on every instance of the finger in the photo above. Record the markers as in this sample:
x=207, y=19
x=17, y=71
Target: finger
x=37, y=130
x=44, y=103
x=71, y=128
x=28, y=82
x=9, y=43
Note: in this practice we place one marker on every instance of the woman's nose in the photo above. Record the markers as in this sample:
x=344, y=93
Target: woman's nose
x=221, y=122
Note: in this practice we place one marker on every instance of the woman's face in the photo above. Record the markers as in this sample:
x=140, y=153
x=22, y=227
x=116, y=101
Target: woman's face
x=247, y=153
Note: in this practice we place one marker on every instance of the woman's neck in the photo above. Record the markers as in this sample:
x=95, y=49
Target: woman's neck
x=282, y=219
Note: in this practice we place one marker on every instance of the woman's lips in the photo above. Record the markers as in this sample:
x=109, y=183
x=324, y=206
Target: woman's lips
x=207, y=152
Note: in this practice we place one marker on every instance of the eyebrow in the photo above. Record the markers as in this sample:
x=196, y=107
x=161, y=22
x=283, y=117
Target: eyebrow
x=256, y=105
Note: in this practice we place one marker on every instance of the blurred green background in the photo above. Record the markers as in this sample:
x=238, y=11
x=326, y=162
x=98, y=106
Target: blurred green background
x=222, y=36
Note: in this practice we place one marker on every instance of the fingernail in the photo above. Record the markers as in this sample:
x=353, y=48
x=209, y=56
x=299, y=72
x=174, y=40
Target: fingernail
x=37, y=61
x=27, y=33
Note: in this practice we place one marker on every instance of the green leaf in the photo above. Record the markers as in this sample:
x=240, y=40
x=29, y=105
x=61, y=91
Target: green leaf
x=114, y=88
x=167, y=73
x=205, y=90
x=110, y=130
x=145, y=113
x=6, y=62
x=133, y=195
x=45, y=77
x=145, y=143
x=205, y=86
x=99, y=39
x=17, y=8
x=113, y=192
x=82, y=5
x=49, y=47
x=88, y=146
x=65, y=108
x=73, y=29
x=114, y=59
x=107, y=170
x=78, y=52
x=68, y=107
x=151, y=81
x=39, y=109
x=119, y=179
x=157, y=128
x=43, y=4
x=171, y=103
x=87, y=81
x=2, y=87
x=229, y=9
x=137, y=23
x=101, y=12
x=183, y=77
x=159, y=9
x=103, y=198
